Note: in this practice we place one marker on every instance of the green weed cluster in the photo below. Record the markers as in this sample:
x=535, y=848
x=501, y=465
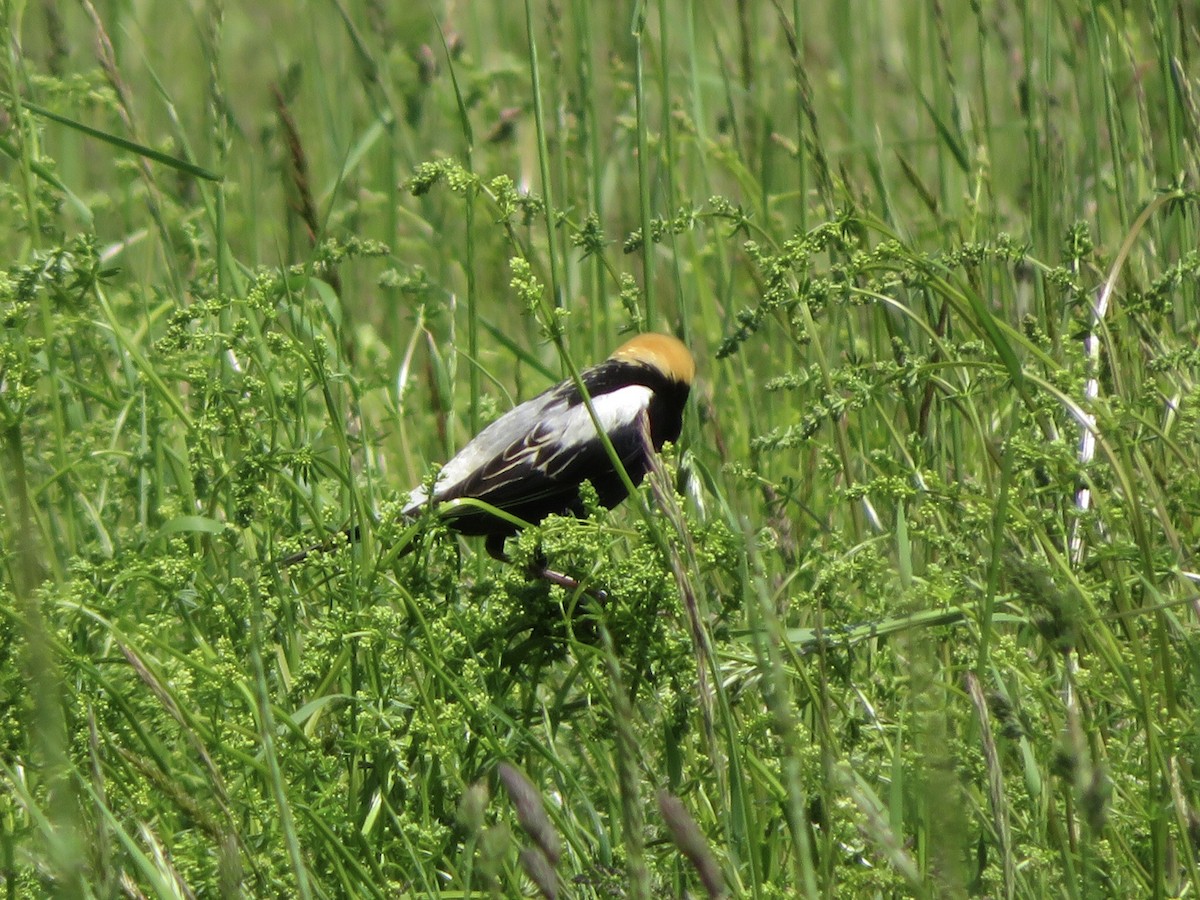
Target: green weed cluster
x=910, y=610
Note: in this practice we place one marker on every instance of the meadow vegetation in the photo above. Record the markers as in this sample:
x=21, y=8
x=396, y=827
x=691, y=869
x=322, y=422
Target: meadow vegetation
x=909, y=610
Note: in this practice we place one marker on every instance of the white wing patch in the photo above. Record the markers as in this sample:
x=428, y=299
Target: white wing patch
x=614, y=410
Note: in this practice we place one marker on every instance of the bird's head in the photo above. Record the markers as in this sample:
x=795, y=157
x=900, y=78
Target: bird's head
x=662, y=352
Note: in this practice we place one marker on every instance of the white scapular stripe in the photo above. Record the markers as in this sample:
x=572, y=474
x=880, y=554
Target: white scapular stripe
x=614, y=410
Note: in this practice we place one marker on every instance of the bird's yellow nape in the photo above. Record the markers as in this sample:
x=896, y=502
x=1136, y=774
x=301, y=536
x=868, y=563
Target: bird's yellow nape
x=665, y=353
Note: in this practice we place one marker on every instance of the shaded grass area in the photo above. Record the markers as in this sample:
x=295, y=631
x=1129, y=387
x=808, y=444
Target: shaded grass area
x=909, y=611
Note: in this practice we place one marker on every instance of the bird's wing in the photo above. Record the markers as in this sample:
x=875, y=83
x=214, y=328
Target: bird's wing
x=481, y=451
x=543, y=448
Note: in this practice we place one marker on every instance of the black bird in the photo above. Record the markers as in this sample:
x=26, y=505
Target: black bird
x=531, y=461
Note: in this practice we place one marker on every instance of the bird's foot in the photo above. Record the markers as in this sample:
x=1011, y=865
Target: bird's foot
x=567, y=583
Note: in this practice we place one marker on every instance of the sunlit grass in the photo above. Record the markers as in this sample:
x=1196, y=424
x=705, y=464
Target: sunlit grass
x=886, y=623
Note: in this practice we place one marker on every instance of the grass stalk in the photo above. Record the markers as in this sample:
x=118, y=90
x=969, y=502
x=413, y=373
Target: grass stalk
x=937, y=266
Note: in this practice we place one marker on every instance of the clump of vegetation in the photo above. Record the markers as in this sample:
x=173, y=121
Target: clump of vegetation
x=909, y=609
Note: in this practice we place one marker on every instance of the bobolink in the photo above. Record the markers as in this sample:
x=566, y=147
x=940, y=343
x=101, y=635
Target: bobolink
x=531, y=462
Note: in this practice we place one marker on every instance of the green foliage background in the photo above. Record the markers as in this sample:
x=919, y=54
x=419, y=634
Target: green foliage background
x=910, y=610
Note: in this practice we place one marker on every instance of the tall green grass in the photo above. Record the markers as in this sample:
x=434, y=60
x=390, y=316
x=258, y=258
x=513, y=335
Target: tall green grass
x=910, y=610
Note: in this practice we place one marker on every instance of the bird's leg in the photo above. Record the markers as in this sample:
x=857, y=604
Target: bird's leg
x=567, y=583
x=494, y=545
x=539, y=569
